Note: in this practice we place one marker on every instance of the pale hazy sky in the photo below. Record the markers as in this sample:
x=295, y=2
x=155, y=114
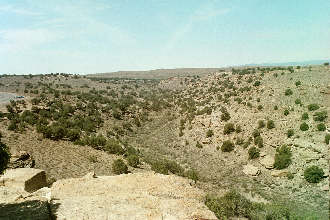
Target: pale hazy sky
x=87, y=36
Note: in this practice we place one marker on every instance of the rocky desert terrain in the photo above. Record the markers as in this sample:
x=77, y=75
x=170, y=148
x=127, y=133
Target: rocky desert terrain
x=252, y=141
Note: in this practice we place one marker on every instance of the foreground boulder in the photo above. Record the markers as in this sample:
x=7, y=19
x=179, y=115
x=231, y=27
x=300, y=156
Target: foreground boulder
x=25, y=179
x=16, y=199
x=131, y=196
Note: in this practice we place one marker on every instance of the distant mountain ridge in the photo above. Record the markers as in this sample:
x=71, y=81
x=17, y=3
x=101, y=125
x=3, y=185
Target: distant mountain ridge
x=307, y=62
x=184, y=72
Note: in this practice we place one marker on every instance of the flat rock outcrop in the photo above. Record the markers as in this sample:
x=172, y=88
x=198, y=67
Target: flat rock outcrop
x=130, y=196
x=26, y=179
x=251, y=170
x=268, y=162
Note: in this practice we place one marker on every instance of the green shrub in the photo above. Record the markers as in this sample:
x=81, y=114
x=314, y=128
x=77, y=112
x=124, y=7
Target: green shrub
x=166, y=166
x=119, y=167
x=286, y=112
x=133, y=160
x=304, y=116
x=288, y=92
x=313, y=174
x=255, y=133
x=256, y=83
x=193, y=175
x=298, y=83
x=209, y=133
x=313, y=107
x=232, y=204
x=12, y=125
x=225, y=116
x=298, y=102
x=304, y=126
x=282, y=157
x=290, y=176
x=116, y=114
x=113, y=146
x=4, y=157
x=238, y=129
x=321, y=127
x=159, y=167
x=261, y=124
x=270, y=124
x=290, y=133
x=199, y=145
x=259, y=141
x=229, y=128
x=239, y=141
x=97, y=142
x=227, y=146
x=58, y=132
x=73, y=134
x=275, y=107
x=260, y=107
x=327, y=138
x=254, y=153
x=320, y=116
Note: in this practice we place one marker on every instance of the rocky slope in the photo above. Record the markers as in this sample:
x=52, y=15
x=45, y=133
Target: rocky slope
x=129, y=196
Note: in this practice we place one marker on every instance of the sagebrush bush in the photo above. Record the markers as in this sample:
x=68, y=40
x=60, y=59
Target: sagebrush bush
x=286, y=112
x=239, y=141
x=313, y=174
x=4, y=156
x=320, y=116
x=225, y=116
x=230, y=205
x=229, y=128
x=113, y=146
x=313, y=107
x=290, y=133
x=321, y=127
x=256, y=83
x=298, y=83
x=238, y=129
x=327, y=138
x=255, y=133
x=304, y=126
x=193, y=175
x=288, y=92
x=199, y=145
x=133, y=160
x=261, y=124
x=259, y=141
x=119, y=167
x=304, y=116
x=209, y=133
x=298, y=102
x=227, y=146
x=282, y=157
x=166, y=166
x=270, y=124
x=254, y=153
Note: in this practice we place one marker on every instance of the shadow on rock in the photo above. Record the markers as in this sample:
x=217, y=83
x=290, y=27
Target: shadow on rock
x=27, y=210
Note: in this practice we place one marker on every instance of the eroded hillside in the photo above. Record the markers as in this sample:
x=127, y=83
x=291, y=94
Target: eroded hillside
x=255, y=130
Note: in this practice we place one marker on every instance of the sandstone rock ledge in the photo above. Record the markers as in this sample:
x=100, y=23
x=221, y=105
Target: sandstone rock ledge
x=130, y=196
